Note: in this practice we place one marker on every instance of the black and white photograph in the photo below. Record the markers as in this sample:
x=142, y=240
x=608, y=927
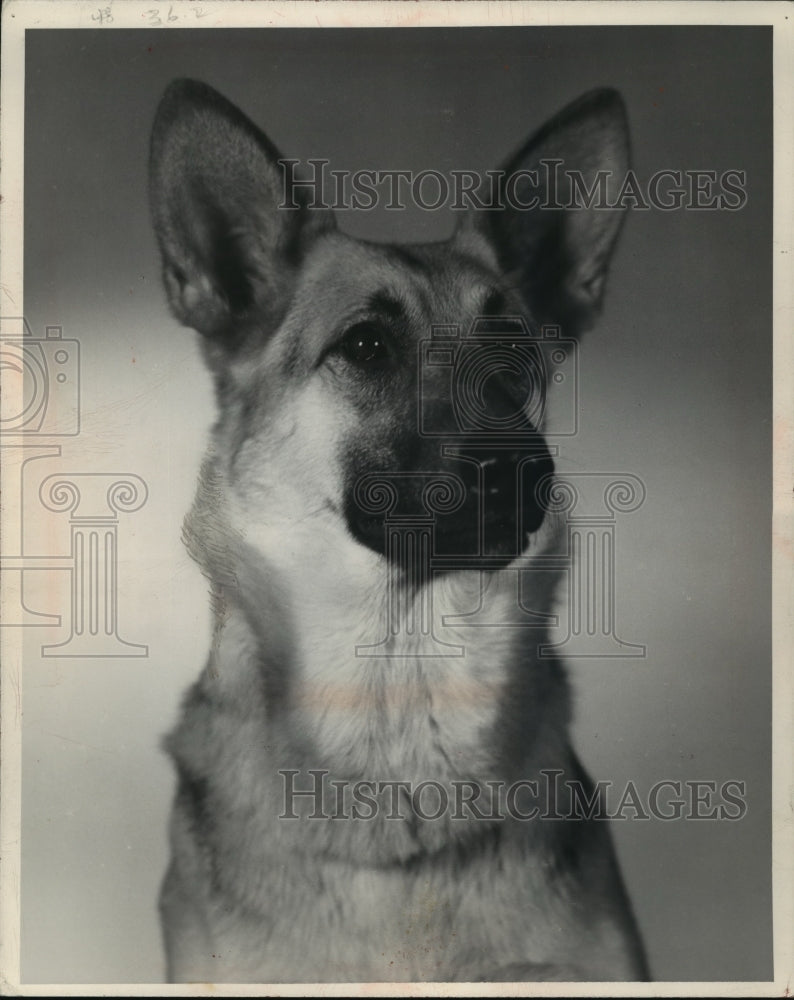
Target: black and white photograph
x=396, y=449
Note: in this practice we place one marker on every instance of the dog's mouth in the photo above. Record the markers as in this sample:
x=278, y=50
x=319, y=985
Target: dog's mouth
x=471, y=512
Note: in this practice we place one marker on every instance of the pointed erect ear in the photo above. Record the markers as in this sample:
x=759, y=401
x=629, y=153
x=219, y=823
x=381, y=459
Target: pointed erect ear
x=229, y=252
x=556, y=248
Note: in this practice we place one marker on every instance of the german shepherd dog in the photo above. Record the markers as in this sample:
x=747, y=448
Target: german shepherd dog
x=301, y=849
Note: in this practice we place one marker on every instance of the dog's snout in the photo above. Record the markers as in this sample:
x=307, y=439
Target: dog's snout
x=515, y=480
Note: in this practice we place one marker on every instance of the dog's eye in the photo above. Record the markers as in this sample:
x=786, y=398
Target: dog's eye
x=364, y=344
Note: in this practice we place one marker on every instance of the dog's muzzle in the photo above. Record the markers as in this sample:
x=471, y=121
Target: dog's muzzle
x=482, y=500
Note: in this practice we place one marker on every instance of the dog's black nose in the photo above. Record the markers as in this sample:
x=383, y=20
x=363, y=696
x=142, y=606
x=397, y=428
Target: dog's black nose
x=509, y=496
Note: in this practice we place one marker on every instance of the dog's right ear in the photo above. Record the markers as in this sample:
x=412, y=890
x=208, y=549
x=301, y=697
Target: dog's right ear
x=229, y=252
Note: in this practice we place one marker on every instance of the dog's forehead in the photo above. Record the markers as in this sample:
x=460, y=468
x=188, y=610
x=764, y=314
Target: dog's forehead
x=436, y=282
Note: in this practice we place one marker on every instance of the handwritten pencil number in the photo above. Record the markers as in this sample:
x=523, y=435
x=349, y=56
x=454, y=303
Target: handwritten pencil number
x=154, y=16
x=102, y=15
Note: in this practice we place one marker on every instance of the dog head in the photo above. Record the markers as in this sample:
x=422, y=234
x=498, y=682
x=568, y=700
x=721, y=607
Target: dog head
x=362, y=382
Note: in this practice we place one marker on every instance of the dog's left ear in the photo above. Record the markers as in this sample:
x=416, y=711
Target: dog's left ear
x=557, y=255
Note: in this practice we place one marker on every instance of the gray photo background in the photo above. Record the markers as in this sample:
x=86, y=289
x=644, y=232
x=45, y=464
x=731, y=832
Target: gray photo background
x=675, y=388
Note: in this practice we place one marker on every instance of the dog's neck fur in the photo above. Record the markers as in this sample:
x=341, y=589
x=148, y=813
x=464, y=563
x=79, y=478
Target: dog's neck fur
x=286, y=635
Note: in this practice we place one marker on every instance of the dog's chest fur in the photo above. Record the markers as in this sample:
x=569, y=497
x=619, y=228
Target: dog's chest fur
x=423, y=900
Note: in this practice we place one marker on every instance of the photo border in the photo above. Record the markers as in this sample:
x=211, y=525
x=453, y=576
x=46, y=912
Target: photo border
x=21, y=15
